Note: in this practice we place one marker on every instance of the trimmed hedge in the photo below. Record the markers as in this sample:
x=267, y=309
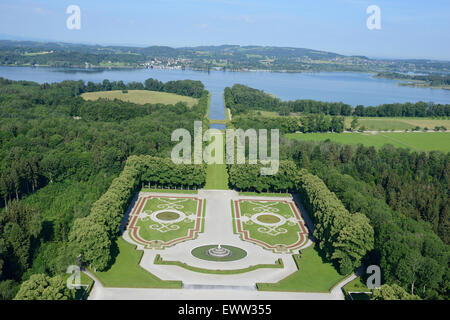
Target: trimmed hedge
x=343, y=237
x=107, y=213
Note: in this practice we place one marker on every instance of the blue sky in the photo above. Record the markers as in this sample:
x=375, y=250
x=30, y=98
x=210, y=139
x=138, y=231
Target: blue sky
x=410, y=28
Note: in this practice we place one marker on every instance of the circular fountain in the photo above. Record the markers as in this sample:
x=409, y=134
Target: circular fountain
x=219, y=252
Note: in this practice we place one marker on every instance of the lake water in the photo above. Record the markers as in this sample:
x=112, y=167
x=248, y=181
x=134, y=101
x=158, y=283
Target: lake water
x=351, y=88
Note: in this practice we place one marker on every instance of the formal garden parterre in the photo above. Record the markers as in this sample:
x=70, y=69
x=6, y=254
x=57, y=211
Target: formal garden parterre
x=163, y=221
x=275, y=225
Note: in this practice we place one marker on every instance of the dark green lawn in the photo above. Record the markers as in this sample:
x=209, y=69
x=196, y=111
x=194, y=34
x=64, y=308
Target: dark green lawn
x=314, y=275
x=126, y=272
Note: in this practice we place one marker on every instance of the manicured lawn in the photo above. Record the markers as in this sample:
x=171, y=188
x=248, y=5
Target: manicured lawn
x=216, y=177
x=169, y=191
x=277, y=264
x=417, y=141
x=313, y=275
x=216, y=174
x=141, y=97
x=152, y=230
x=233, y=215
x=265, y=194
x=284, y=234
x=126, y=272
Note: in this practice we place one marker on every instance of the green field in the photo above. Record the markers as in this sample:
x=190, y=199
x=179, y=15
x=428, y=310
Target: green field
x=141, y=97
x=313, y=275
x=217, y=175
x=126, y=272
x=401, y=123
x=417, y=141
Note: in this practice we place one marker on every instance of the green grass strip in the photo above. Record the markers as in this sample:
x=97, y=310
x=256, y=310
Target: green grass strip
x=278, y=264
x=234, y=217
x=266, y=194
x=314, y=275
x=170, y=191
x=202, y=229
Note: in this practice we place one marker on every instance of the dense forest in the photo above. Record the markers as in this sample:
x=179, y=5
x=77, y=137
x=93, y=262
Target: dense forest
x=314, y=122
x=405, y=196
x=60, y=153
x=400, y=196
x=241, y=99
x=69, y=169
x=433, y=80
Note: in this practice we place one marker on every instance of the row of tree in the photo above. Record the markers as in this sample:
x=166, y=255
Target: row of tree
x=163, y=172
x=94, y=235
x=242, y=99
x=189, y=88
x=318, y=122
x=344, y=238
x=418, y=109
x=247, y=177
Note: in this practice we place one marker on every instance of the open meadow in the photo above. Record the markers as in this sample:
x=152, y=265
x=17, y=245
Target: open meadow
x=141, y=97
x=417, y=141
x=403, y=123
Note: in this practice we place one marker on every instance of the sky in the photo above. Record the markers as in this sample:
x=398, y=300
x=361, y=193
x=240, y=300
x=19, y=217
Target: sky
x=409, y=28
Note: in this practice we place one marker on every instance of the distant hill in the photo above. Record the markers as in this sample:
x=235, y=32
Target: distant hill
x=227, y=57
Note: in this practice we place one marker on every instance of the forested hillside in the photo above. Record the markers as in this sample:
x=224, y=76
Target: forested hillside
x=60, y=153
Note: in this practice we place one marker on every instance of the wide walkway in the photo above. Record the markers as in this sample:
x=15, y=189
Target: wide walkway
x=218, y=230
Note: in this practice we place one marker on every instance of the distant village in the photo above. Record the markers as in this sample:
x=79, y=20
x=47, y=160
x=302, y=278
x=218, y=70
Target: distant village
x=170, y=63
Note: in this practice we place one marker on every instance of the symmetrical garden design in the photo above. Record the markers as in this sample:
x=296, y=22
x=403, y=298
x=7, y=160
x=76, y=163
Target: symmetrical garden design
x=163, y=221
x=276, y=225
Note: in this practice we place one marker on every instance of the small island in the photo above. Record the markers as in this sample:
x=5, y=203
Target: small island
x=436, y=81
